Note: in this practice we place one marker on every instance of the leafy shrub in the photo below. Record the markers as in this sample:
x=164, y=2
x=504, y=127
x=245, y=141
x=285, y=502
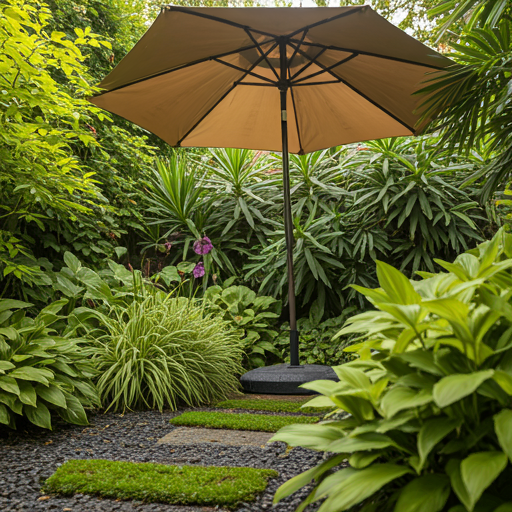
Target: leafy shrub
x=161, y=350
x=316, y=344
x=41, y=371
x=255, y=315
x=428, y=397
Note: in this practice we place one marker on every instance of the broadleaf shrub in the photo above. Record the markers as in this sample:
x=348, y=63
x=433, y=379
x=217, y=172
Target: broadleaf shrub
x=161, y=350
x=41, y=371
x=428, y=397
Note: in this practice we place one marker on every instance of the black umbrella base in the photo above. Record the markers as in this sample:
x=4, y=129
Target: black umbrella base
x=283, y=379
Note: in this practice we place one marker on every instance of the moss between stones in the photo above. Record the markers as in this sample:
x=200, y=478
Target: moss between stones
x=260, y=422
x=271, y=405
x=183, y=485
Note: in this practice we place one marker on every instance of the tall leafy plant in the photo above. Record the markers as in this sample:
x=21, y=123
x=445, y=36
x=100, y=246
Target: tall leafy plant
x=429, y=395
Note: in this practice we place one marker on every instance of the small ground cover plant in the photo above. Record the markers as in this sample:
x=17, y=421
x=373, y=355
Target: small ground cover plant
x=429, y=396
x=258, y=422
x=268, y=405
x=183, y=485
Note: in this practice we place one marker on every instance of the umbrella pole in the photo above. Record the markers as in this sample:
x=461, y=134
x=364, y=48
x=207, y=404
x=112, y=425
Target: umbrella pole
x=288, y=224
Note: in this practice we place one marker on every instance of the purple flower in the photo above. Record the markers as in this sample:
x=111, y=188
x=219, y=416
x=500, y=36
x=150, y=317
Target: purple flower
x=203, y=245
x=168, y=246
x=198, y=270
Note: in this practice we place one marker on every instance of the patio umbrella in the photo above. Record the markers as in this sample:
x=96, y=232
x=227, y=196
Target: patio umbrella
x=281, y=79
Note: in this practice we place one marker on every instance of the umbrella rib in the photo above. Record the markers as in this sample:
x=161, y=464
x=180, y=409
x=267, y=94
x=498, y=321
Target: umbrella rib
x=256, y=84
x=369, y=54
x=317, y=83
x=246, y=72
x=262, y=53
x=346, y=59
x=261, y=77
x=311, y=60
x=363, y=95
x=178, y=68
x=328, y=20
x=216, y=18
x=295, y=51
x=296, y=122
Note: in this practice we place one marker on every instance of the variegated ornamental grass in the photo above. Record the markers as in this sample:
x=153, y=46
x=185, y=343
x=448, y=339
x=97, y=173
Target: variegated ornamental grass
x=429, y=396
x=164, y=350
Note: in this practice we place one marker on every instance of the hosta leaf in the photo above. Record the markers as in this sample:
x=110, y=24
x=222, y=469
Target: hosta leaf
x=479, y=470
x=400, y=398
x=317, y=437
x=362, y=442
x=427, y=493
x=6, y=304
x=504, y=380
x=5, y=415
x=51, y=394
x=74, y=412
x=72, y=261
x=319, y=401
x=299, y=481
x=503, y=428
x=36, y=374
x=431, y=433
x=352, y=377
x=27, y=393
x=9, y=384
x=396, y=285
x=361, y=460
x=455, y=387
x=453, y=471
x=361, y=485
x=39, y=415
x=6, y=365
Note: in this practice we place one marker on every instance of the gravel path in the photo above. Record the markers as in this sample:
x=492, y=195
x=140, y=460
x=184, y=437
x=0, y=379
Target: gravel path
x=28, y=457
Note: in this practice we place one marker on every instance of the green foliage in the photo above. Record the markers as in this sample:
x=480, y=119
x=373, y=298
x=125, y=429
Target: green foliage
x=428, y=397
x=408, y=203
x=160, y=483
x=472, y=98
x=255, y=315
x=240, y=421
x=161, y=350
x=40, y=371
x=316, y=345
x=267, y=405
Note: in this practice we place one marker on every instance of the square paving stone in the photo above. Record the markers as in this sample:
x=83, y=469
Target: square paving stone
x=193, y=435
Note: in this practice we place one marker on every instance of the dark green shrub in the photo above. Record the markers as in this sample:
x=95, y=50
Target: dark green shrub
x=429, y=396
x=41, y=371
x=256, y=316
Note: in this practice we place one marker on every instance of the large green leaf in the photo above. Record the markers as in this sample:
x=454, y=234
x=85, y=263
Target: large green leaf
x=9, y=384
x=5, y=415
x=396, y=285
x=74, y=412
x=361, y=485
x=41, y=375
x=503, y=428
x=427, y=493
x=72, y=262
x=6, y=304
x=316, y=437
x=400, y=398
x=51, y=394
x=362, y=442
x=455, y=387
x=431, y=432
x=27, y=393
x=299, y=481
x=479, y=470
x=39, y=415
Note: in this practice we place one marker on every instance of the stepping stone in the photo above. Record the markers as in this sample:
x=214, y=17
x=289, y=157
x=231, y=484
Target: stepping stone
x=193, y=435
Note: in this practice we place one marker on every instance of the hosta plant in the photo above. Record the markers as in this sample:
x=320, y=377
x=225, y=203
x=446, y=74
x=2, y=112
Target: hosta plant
x=40, y=371
x=429, y=397
x=256, y=316
x=162, y=350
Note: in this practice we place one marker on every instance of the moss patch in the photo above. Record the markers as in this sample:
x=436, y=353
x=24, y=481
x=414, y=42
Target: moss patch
x=271, y=405
x=183, y=485
x=261, y=422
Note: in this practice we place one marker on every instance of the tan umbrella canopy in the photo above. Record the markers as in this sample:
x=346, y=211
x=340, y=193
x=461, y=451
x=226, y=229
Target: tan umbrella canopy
x=282, y=79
